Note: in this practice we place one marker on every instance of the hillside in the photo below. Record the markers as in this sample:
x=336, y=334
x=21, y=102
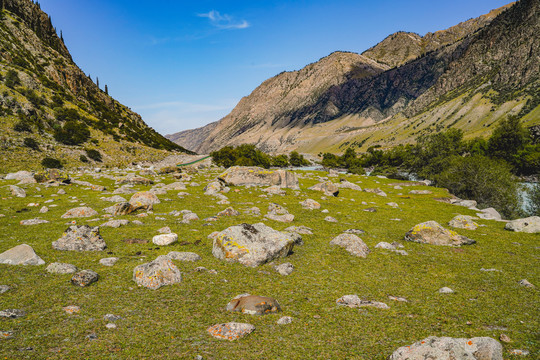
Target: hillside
x=42, y=90
x=468, y=76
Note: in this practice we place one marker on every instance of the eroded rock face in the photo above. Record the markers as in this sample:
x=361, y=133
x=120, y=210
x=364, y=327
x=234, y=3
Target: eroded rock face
x=352, y=243
x=254, y=305
x=327, y=187
x=230, y=331
x=157, y=273
x=527, y=225
x=80, y=238
x=251, y=245
x=21, y=255
x=80, y=212
x=256, y=176
x=446, y=348
x=431, y=232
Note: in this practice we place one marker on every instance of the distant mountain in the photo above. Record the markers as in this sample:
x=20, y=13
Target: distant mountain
x=42, y=90
x=468, y=76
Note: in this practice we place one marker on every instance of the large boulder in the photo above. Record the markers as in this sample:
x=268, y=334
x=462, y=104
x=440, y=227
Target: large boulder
x=157, y=273
x=327, y=187
x=256, y=176
x=21, y=255
x=254, y=305
x=251, y=245
x=446, y=348
x=80, y=212
x=527, y=225
x=80, y=238
x=430, y=232
x=352, y=243
x=144, y=199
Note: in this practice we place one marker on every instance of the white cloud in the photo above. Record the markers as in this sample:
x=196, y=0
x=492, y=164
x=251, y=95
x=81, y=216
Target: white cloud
x=224, y=21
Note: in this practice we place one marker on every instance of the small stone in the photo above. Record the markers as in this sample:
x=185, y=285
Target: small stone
x=61, y=268
x=12, y=313
x=84, y=278
x=284, y=320
x=110, y=326
x=43, y=210
x=505, y=339
x=446, y=290
x=397, y=298
x=4, y=288
x=36, y=221
x=352, y=243
x=111, y=317
x=420, y=192
x=310, y=204
x=157, y=273
x=6, y=335
x=253, y=305
x=183, y=256
x=72, y=309
x=80, y=238
x=519, y=352
x=92, y=336
x=353, y=301
x=17, y=191
x=115, y=223
x=330, y=219
x=526, y=283
x=79, y=213
x=230, y=331
x=165, y=230
x=285, y=269
x=165, y=239
x=110, y=261
x=228, y=212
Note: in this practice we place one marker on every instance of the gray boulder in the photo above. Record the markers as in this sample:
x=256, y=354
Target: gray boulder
x=19, y=175
x=302, y=230
x=327, y=187
x=84, y=278
x=527, y=225
x=213, y=188
x=344, y=184
x=165, y=239
x=36, y=221
x=144, y=199
x=352, y=243
x=4, y=288
x=80, y=238
x=251, y=245
x=115, y=223
x=110, y=261
x=12, y=313
x=21, y=255
x=157, y=273
x=17, y=191
x=256, y=176
x=446, y=348
x=431, y=232
x=285, y=269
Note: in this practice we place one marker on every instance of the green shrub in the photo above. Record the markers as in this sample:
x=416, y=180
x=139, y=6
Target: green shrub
x=23, y=125
x=31, y=143
x=12, y=79
x=72, y=133
x=485, y=180
x=83, y=159
x=51, y=163
x=508, y=139
x=242, y=155
x=280, y=161
x=94, y=155
x=295, y=159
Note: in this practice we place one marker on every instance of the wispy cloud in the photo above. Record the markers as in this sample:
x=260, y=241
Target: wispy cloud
x=224, y=21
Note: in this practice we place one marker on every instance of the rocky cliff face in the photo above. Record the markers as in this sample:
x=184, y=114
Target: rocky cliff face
x=489, y=64
x=40, y=84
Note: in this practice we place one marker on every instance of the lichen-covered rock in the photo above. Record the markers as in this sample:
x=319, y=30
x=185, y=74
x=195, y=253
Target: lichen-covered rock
x=463, y=222
x=254, y=305
x=310, y=204
x=251, y=245
x=489, y=214
x=431, y=232
x=302, y=230
x=352, y=243
x=287, y=218
x=446, y=348
x=61, y=268
x=115, y=199
x=353, y=301
x=21, y=255
x=327, y=187
x=420, y=192
x=256, y=176
x=84, y=278
x=230, y=331
x=157, y=273
x=19, y=175
x=527, y=225
x=80, y=238
x=79, y=212
x=144, y=199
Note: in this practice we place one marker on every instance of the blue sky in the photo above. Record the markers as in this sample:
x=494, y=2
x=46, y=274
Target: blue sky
x=183, y=64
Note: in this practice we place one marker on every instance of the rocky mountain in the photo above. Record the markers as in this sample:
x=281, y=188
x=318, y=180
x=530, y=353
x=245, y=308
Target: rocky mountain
x=46, y=98
x=468, y=76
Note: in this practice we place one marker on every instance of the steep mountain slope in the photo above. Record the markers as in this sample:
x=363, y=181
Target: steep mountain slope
x=489, y=72
x=42, y=90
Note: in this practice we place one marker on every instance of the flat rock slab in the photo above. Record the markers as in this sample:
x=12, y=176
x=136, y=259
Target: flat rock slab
x=529, y=225
x=251, y=245
x=287, y=218
x=80, y=238
x=353, y=301
x=157, y=273
x=79, y=212
x=61, y=268
x=84, y=278
x=253, y=305
x=256, y=176
x=344, y=184
x=431, y=232
x=302, y=230
x=445, y=348
x=21, y=255
x=230, y=331
x=352, y=243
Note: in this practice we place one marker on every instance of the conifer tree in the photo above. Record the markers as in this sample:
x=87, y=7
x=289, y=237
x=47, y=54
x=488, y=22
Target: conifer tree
x=106, y=89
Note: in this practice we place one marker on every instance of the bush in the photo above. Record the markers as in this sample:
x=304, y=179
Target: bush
x=23, y=126
x=12, y=79
x=533, y=207
x=280, y=161
x=94, y=155
x=51, y=163
x=31, y=143
x=242, y=155
x=485, y=180
x=83, y=159
x=72, y=133
x=298, y=160
x=508, y=139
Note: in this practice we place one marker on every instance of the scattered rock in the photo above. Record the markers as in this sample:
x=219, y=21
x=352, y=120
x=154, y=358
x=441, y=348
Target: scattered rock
x=251, y=245
x=133, y=179
x=397, y=298
x=61, y=268
x=157, y=273
x=385, y=245
x=12, y=313
x=19, y=175
x=344, y=184
x=393, y=205
x=352, y=243
x=527, y=225
x=80, y=212
x=274, y=190
x=228, y=212
x=84, y=278
x=526, y=283
x=446, y=290
x=253, y=305
x=43, y=210
x=431, y=232
x=285, y=269
x=6, y=335
x=284, y=320
x=445, y=348
x=21, y=255
x=110, y=261
x=519, y=352
x=376, y=191
x=115, y=223
x=302, y=230
x=330, y=219
x=420, y=192
x=353, y=301
x=4, y=288
x=254, y=211
x=256, y=176
x=355, y=231
x=230, y=331
x=17, y=191
x=175, y=186
x=144, y=199
x=111, y=317
x=111, y=326
x=213, y=188
x=310, y=204
x=165, y=239
x=115, y=199
x=80, y=238
x=35, y=221
x=287, y=218
x=505, y=339
x=72, y=309
x=327, y=187
x=489, y=214
x=183, y=256
x=463, y=222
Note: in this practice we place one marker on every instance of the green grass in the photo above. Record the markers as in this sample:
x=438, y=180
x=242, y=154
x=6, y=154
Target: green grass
x=171, y=322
